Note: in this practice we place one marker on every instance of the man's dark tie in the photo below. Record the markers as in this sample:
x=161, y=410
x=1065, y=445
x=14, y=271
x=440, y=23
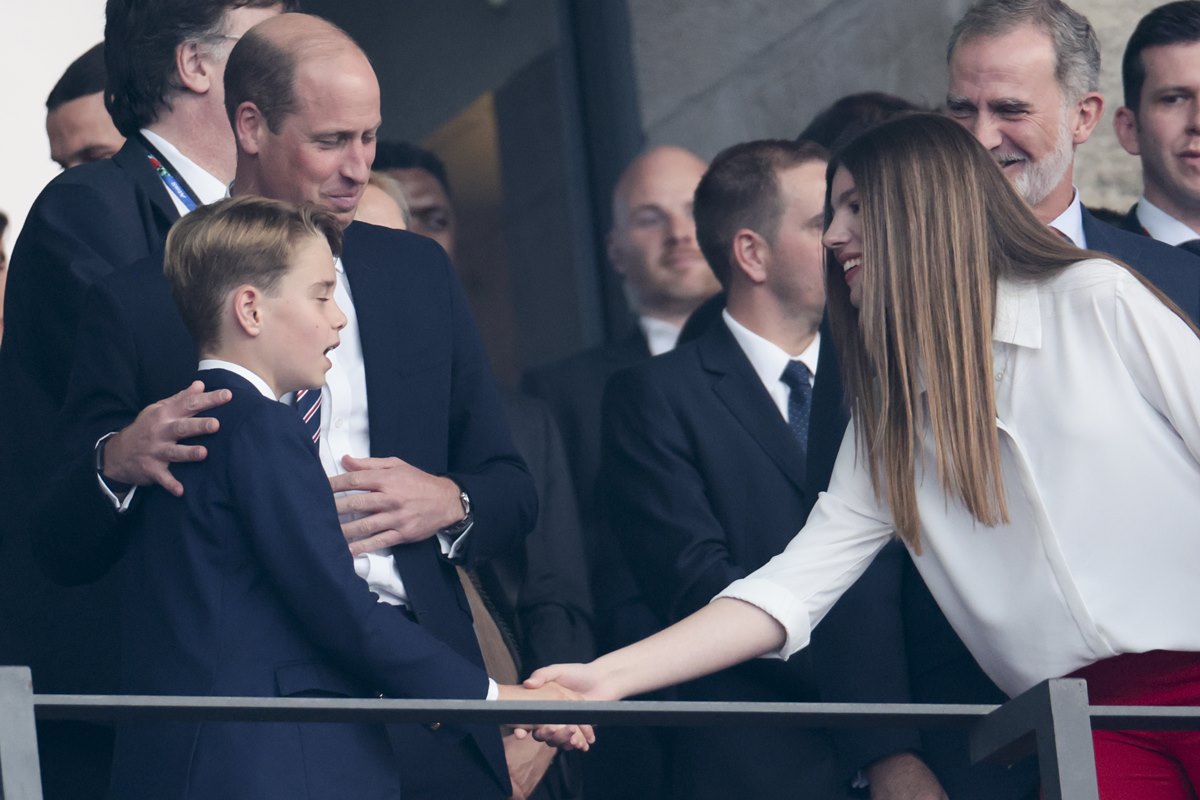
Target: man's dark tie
x=308, y=405
x=1192, y=246
x=797, y=378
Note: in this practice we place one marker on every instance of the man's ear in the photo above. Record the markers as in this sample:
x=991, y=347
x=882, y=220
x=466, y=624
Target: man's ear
x=193, y=67
x=1125, y=125
x=250, y=127
x=751, y=255
x=1087, y=117
x=246, y=301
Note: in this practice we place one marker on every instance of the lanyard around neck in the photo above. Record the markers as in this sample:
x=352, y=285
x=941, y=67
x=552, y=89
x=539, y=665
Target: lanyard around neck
x=175, y=185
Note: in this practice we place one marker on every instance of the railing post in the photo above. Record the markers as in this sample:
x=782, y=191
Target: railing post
x=1054, y=717
x=20, y=778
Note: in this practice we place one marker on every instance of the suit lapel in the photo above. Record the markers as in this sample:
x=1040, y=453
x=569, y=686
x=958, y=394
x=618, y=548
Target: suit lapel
x=738, y=386
x=381, y=333
x=1131, y=223
x=133, y=158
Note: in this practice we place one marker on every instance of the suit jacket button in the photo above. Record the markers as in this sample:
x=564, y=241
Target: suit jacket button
x=379, y=695
x=435, y=726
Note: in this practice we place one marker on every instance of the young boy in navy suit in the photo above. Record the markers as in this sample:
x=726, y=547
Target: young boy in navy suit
x=244, y=586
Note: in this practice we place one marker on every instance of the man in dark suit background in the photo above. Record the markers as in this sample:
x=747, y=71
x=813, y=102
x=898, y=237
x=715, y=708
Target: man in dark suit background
x=411, y=388
x=78, y=125
x=1024, y=79
x=164, y=65
x=1160, y=73
x=705, y=475
x=652, y=246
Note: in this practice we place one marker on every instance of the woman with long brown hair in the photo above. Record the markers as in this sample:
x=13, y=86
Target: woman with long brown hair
x=1025, y=417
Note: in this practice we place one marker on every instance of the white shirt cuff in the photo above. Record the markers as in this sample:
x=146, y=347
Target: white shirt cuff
x=453, y=546
x=493, y=690
x=121, y=505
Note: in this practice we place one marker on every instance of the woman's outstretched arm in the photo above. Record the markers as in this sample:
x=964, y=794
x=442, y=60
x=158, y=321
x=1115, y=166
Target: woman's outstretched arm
x=723, y=633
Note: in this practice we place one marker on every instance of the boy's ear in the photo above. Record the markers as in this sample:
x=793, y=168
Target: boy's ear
x=246, y=301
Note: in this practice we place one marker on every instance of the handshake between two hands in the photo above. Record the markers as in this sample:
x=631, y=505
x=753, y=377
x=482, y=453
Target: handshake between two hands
x=562, y=682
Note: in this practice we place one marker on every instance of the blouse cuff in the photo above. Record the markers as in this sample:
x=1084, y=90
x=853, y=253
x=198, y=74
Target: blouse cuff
x=781, y=605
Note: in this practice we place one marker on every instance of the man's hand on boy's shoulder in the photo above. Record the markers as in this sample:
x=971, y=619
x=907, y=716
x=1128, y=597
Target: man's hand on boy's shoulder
x=142, y=453
x=394, y=502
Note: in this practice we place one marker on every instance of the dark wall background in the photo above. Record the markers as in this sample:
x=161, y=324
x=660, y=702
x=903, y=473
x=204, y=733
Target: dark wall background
x=434, y=57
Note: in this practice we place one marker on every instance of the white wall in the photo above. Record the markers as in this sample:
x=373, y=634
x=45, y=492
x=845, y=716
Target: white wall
x=40, y=40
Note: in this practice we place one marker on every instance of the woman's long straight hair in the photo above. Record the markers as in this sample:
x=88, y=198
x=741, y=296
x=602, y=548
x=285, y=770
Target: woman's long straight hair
x=940, y=225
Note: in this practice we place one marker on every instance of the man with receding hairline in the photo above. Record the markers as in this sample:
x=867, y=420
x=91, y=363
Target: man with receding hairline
x=412, y=433
x=652, y=246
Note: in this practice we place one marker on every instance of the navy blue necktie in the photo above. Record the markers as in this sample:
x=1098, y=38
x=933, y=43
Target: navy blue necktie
x=308, y=405
x=797, y=378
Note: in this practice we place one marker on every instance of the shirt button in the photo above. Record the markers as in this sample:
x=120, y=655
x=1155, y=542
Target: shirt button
x=339, y=422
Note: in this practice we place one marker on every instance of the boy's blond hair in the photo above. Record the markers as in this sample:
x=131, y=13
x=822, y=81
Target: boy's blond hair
x=242, y=240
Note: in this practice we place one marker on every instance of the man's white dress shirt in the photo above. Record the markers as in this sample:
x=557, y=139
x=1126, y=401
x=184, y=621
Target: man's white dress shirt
x=769, y=360
x=1161, y=225
x=661, y=336
x=1098, y=417
x=345, y=432
x=1070, y=222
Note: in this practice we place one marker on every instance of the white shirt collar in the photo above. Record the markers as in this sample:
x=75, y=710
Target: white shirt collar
x=661, y=336
x=208, y=187
x=1070, y=222
x=767, y=358
x=240, y=371
x=1161, y=225
x=1018, y=313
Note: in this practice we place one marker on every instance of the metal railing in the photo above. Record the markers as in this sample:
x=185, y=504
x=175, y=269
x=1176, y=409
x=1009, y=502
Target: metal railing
x=1052, y=719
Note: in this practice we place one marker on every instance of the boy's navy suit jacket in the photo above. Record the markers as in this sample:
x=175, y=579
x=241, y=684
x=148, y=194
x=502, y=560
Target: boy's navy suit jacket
x=245, y=587
x=431, y=401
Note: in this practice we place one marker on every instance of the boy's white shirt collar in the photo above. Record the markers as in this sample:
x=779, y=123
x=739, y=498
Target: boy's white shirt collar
x=240, y=371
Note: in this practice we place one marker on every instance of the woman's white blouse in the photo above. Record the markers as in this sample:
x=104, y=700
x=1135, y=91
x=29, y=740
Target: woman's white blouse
x=1098, y=413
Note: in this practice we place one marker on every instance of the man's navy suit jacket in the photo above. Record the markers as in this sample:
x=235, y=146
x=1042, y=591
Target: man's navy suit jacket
x=87, y=223
x=1175, y=272
x=704, y=482
x=244, y=587
x=431, y=401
